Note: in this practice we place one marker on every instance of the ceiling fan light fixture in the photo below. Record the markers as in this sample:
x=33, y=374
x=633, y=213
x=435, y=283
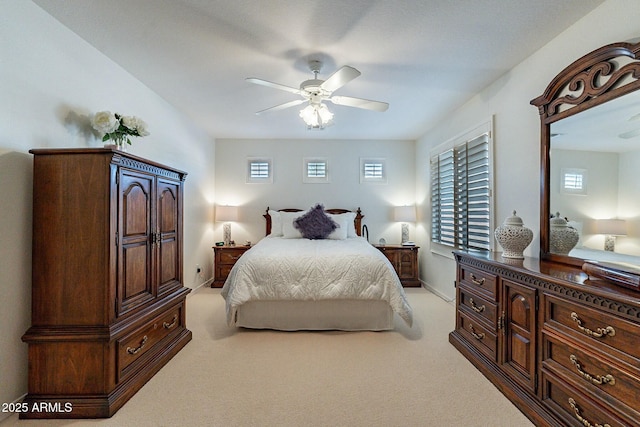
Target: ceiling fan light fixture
x=316, y=116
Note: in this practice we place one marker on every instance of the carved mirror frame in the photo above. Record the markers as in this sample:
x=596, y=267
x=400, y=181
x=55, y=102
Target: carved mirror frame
x=592, y=80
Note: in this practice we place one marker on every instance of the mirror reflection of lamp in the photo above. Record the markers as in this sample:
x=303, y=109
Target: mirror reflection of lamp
x=404, y=214
x=226, y=214
x=611, y=228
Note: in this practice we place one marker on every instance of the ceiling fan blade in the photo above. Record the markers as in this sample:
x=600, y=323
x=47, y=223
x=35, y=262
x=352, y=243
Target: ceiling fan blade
x=282, y=106
x=360, y=103
x=340, y=78
x=273, y=85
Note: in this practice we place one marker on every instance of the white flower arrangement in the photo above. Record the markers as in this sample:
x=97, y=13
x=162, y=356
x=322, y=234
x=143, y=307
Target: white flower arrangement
x=118, y=128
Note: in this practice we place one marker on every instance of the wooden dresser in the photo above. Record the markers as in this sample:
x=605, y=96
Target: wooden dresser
x=405, y=261
x=563, y=348
x=225, y=258
x=108, y=304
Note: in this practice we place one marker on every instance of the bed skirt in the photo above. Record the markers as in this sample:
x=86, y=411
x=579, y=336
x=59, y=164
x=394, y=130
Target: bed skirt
x=344, y=315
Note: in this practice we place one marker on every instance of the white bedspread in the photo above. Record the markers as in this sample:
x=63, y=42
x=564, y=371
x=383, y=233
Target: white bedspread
x=302, y=269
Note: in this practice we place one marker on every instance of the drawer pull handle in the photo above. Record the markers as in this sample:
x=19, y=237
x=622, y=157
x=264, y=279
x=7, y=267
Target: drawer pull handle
x=475, y=307
x=475, y=280
x=584, y=421
x=598, y=380
x=137, y=349
x=167, y=325
x=598, y=333
x=475, y=335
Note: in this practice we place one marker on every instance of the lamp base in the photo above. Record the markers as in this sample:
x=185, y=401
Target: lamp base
x=405, y=233
x=609, y=243
x=226, y=233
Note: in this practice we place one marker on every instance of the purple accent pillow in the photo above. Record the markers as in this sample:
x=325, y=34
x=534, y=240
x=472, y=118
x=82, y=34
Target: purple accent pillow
x=315, y=224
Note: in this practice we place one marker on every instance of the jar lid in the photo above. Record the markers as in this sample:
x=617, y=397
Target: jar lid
x=514, y=220
x=558, y=221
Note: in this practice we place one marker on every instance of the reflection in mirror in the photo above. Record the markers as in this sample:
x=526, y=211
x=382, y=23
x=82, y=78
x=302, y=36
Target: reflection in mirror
x=595, y=181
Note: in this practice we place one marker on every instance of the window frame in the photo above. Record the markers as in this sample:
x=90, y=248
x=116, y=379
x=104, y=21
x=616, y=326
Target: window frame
x=306, y=178
x=258, y=179
x=582, y=173
x=458, y=232
x=382, y=178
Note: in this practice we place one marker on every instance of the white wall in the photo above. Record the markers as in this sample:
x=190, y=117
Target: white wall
x=51, y=81
x=288, y=191
x=517, y=128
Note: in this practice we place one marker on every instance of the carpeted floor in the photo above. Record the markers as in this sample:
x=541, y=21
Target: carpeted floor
x=232, y=377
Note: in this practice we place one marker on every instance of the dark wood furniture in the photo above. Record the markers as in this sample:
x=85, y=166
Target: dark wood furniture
x=562, y=347
x=601, y=76
x=108, y=303
x=224, y=258
x=357, y=222
x=405, y=261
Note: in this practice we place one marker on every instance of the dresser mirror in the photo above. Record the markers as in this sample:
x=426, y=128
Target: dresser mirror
x=590, y=160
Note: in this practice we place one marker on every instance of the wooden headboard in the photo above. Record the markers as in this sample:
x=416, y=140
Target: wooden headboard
x=357, y=222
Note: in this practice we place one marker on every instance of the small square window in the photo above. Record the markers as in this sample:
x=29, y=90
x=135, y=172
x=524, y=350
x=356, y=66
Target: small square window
x=574, y=181
x=373, y=170
x=315, y=170
x=259, y=170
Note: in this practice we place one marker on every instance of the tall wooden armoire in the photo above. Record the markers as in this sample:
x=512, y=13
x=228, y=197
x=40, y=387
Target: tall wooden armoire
x=108, y=303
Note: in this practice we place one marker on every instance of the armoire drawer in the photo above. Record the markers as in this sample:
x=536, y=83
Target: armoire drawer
x=574, y=407
x=603, y=331
x=483, y=282
x=143, y=339
x=473, y=303
x=478, y=335
x=592, y=372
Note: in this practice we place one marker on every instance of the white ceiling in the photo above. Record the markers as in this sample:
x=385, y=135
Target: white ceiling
x=424, y=57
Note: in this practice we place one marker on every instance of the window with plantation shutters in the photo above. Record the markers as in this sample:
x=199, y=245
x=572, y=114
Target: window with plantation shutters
x=315, y=170
x=259, y=170
x=373, y=170
x=461, y=194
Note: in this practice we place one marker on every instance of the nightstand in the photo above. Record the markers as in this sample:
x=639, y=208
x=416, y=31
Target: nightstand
x=405, y=261
x=224, y=259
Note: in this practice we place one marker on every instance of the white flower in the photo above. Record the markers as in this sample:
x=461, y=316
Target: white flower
x=141, y=127
x=105, y=122
x=135, y=124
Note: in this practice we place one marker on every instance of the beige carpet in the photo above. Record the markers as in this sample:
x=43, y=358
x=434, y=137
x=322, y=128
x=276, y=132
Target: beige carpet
x=231, y=377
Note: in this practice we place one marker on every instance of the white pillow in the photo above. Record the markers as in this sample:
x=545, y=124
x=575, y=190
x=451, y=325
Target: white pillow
x=276, y=223
x=350, y=217
x=288, y=230
x=341, y=232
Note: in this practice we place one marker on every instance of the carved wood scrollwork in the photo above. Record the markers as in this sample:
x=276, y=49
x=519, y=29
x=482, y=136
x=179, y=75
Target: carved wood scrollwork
x=589, y=78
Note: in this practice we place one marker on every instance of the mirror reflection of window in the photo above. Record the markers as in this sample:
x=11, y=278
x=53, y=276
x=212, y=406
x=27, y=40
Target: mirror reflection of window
x=595, y=159
x=574, y=181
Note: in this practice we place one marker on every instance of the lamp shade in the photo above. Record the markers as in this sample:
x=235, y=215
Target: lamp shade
x=404, y=213
x=226, y=213
x=611, y=227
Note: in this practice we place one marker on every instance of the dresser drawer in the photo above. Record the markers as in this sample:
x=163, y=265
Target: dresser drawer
x=142, y=340
x=472, y=303
x=593, y=373
x=483, y=282
x=481, y=337
x=603, y=331
x=574, y=407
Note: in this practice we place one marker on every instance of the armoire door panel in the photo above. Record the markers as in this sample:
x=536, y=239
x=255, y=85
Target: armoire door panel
x=168, y=219
x=136, y=207
x=135, y=269
x=167, y=208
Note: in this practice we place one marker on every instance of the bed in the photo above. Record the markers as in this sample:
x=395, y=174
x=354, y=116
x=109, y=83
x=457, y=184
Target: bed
x=289, y=281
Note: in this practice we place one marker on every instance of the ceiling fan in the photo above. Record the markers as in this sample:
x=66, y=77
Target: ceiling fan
x=315, y=91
